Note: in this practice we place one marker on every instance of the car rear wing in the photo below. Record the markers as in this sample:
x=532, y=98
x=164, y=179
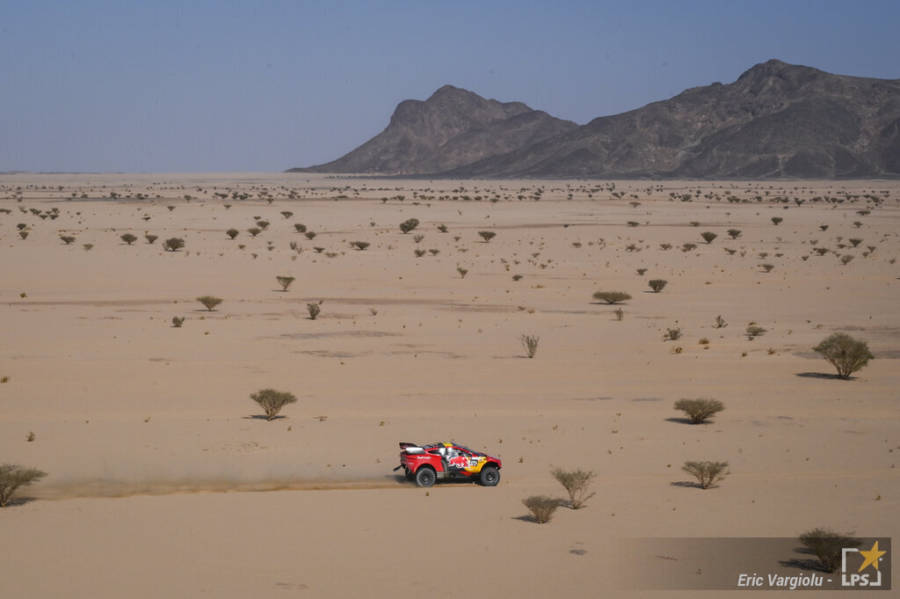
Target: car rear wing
x=411, y=448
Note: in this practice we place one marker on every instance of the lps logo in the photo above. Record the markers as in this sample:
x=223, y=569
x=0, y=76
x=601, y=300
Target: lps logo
x=867, y=573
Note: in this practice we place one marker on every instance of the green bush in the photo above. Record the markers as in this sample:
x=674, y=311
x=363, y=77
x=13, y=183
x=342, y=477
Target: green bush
x=409, y=224
x=657, y=285
x=577, y=483
x=611, y=297
x=699, y=410
x=284, y=281
x=209, y=302
x=272, y=401
x=845, y=353
x=826, y=545
x=707, y=473
x=541, y=507
x=530, y=343
x=12, y=477
x=173, y=244
x=313, y=310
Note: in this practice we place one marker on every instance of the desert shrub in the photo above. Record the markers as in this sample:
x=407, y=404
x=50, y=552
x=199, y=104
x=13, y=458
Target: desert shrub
x=128, y=238
x=845, y=353
x=641, y=271
x=418, y=238
x=313, y=310
x=541, y=507
x=442, y=228
x=287, y=213
x=611, y=297
x=632, y=223
x=720, y=322
x=232, y=233
x=177, y=321
x=687, y=247
x=284, y=281
x=826, y=545
x=707, y=473
x=23, y=234
x=672, y=334
x=209, y=301
x=776, y=220
x=708, y=236
x=409, y=224
x=753, y=331
x=88, y=246
x=272, y=401
x=657, y=285
x=699, y=410
x=462, y=272
x=360, y=245
x=12, y=477
x=734, y=233
x=419, y=252
x=487, y=235
x=262, y=224
x=254, y=231
x=665, y=246
x=173, y=244
x=66, y=239
x=310, y=235
x=530, y=343
x=300, y=227
x=577, y=483
x=151, y=238
x=767, y=267
x=846, y=258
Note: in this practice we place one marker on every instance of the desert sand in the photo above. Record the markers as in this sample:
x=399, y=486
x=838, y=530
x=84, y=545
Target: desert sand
x=163, y=482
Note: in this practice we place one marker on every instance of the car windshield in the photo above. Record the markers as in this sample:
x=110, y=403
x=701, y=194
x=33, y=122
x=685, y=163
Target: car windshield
x=467, y=450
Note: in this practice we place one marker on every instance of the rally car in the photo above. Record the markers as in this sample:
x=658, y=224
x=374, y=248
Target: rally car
x=427, y=463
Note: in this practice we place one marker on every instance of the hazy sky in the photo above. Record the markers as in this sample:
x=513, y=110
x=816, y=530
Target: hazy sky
x=265, y=85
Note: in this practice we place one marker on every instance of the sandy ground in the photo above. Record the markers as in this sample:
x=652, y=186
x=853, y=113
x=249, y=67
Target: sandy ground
x=163, y=483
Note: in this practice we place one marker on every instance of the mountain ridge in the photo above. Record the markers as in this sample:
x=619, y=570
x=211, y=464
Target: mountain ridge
x=775, y=120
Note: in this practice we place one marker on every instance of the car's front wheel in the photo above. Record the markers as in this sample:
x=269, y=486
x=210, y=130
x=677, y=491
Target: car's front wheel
x=425, y=477
x=490, y=476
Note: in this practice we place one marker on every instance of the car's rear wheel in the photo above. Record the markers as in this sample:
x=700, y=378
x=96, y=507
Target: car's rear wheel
x=490, y=476
x=425, y=477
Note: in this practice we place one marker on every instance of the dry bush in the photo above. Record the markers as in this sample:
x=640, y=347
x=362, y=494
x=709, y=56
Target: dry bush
x=487, y=235
x=754, y=330
x=360, y=245
x=12, y=477
x=232, y=233
x=720, y=322
x=541, y=507
x=128, y=238
x=462, y=272
x=272, y=401
x=177, y=321
x=672, y=334
x=826, y=545
x=66, y=239
x=530, y=343
x=254, y=231
x=699, y=410
x=577, y=484
x=657, y=285
x=611, y=297
x=708, y=236
x=845, y=353
x=409, y=224
x=313, y=310
x=707, y=473
x=734, y=233
x=209, y=301
x=173, y=244
x=300, y=227
x=284, y=281
x=776, y=220
x=151, y=238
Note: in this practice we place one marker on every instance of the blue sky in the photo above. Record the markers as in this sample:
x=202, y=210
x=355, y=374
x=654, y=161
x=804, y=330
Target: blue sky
x=170, y=86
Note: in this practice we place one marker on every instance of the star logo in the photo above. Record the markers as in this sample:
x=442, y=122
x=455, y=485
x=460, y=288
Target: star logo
x=872, y=556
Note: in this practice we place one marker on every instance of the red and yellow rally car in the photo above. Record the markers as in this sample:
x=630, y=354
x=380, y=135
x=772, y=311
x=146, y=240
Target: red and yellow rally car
x=427, y=463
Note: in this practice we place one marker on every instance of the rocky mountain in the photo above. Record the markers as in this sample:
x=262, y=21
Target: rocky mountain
x=776, y=120
x=452, y=128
